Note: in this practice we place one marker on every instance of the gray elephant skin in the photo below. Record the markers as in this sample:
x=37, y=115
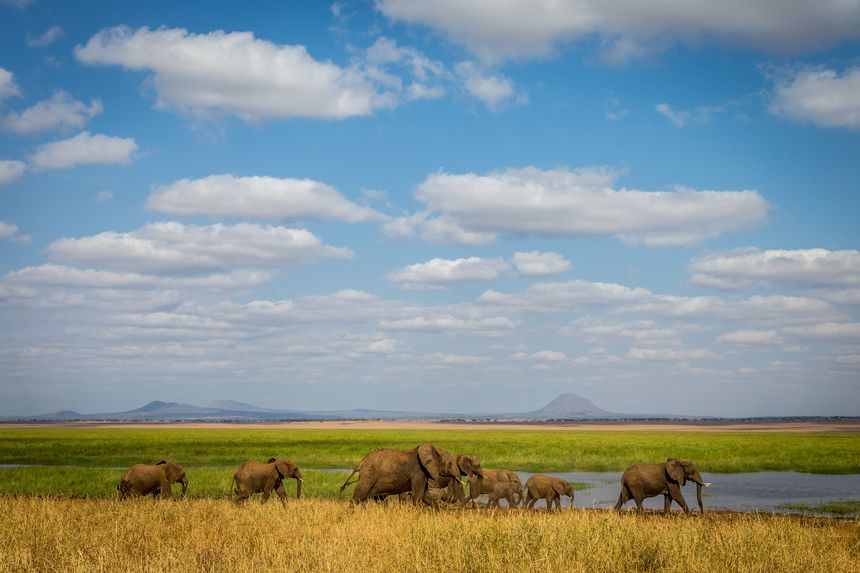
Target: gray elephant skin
x=255, y=477
x=497, y=484
x=388, y=471
x=547, y=488
x=155, y=479
x=641, y=481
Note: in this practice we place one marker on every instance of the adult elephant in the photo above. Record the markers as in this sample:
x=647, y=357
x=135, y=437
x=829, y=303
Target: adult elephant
x=497, y=484
x=254, y=477
x=156, y=479
x=641, y=481
x=549, y=488
x=388, y=471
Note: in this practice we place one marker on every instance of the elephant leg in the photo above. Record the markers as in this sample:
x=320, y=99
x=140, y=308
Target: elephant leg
x=266, y=493
x=531, y=502
x=667, y=502
x=164, y=487
x=361, y=491
x=281, y=493
x=638, y=499
x=419, y=486
x=622, y=498
x=678, y=497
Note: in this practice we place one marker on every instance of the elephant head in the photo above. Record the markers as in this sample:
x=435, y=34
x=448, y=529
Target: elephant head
x=287, y=469
x=469, y=465
x=174, y=473
x=681, y=471
x=433, y=463
x=563, y=487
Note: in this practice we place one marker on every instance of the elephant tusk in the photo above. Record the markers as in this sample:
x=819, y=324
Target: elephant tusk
x=706, y=484
x=300, y=479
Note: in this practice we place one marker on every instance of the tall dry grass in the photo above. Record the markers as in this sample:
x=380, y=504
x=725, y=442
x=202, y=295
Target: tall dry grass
x=40, y=534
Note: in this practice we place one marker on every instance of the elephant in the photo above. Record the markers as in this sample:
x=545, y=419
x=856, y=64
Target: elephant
x=387, y=471
x=253, y=477
x=648, y=480
x=144, y=479
x=549, y=488
x=498, y=484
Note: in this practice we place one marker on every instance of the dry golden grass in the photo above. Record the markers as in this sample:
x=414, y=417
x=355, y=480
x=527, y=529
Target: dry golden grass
x=39, y=534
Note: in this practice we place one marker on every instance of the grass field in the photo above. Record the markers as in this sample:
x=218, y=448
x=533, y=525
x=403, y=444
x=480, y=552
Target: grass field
x=518, y=449
x=316, y=535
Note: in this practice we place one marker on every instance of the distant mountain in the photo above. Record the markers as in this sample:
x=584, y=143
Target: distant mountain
x=570, y=406
x=563, y=407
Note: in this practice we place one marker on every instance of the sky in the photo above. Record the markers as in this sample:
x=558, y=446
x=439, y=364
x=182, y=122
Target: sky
x=431, y=205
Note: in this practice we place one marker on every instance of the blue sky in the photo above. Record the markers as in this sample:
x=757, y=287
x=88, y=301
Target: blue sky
x=432, y=205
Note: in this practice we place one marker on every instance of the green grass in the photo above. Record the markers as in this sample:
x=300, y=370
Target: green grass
x=524, y=450
x=849, y=507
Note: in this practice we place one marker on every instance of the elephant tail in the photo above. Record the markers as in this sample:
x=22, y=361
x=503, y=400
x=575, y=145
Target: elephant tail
x=347, y=482
x=234, y=483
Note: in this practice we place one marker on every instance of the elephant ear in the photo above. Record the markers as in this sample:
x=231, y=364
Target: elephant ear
x=285, y=468
x=161, y=463
x=559, y=487
x=428, y=457
x=675, y=470
x=272, y=460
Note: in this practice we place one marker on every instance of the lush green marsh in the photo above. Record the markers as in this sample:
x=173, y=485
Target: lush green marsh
x=525, y=450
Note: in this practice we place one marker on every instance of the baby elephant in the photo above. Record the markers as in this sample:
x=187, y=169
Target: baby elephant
x=143, y=479
x=497, y=484
x=254, y=477
x=549, y=488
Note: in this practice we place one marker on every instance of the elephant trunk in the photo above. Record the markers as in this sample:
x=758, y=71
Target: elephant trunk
x=699, y=496
x=299, y=486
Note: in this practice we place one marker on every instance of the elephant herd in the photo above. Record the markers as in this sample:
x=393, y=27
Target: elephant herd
x=428, y=475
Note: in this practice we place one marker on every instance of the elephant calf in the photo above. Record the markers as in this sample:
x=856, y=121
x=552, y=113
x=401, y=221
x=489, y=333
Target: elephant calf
x=254, y=477
x=497, y=484
x=549, y=488
x=641, y=481
x=156, y=479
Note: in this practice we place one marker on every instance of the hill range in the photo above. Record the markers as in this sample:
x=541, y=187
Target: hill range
x=563, y=407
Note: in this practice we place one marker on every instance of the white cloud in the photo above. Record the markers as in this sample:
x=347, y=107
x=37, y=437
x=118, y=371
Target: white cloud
x=751, y=337
x=536, y=264
x=50, y=36
x=678, y=117
x=449, y=323
x=11, y=232
x=501, y=29
x=541, y=356
x=548, y=296
x=839, y=331
x=84, y=149
x=8, y=87
x=777, y=267
x=491, y=88
x=234, y=73
x=671, y=354
x=448, y=271
x=174, y=248
x=583, y=202
x=54, y=275
x=644, y=331
x=11, y=170
x=60, y=111
x=257, y=198
x=820, y=96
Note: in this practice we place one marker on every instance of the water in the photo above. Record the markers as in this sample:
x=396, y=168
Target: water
x=758, y=491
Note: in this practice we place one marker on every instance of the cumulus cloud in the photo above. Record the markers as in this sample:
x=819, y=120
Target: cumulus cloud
x=583, y=202
x=8, y=87
x=496, y=30
x=835, y=331
x=60, y=111
x=751, y=337
x=11, y=170
x=819, y=96
x=493, y=89
x=551, y=296
x=174, y=248
x=50, y=36
x=541, y=356
x=593, y=328
x=84, y=149
x=792, y=268
x=258, y=198
x=11, y=232
x=449, y=323
x=681, y=117
x=537, y=264
x=671, y=354
x=234, y=73
x=438, y=272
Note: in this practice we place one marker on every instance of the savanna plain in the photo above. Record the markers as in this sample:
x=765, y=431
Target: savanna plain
x=58, y=510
